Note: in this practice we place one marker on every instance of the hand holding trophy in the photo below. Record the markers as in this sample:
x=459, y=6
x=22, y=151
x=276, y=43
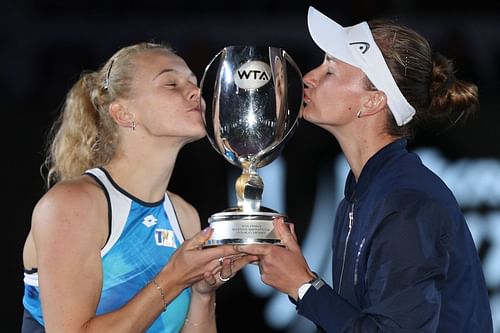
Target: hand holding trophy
x=253, y=100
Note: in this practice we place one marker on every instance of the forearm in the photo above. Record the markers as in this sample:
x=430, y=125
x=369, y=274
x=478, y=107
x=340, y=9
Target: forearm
x=201, y=315
x=413, y=309
x=327, y=309
x=139, y=313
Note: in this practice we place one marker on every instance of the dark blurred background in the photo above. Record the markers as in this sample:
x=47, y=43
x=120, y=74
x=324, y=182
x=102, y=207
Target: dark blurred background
x=46, y=44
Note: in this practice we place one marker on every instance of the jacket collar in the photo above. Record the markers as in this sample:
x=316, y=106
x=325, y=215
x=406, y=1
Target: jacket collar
x=369, y=172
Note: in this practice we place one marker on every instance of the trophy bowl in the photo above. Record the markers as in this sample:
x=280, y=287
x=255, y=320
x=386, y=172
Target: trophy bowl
x=252, y=99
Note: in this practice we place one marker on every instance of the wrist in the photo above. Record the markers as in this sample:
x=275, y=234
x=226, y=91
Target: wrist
x=294, y=293
x=201, y=312
x=208, y=297
x=164, y=289
x=208, y=320
x=315, y=283
x=302, y=290
x=162, y=294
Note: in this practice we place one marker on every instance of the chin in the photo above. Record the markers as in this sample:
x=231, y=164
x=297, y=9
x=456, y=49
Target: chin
x=197, y=137
x=306, y=115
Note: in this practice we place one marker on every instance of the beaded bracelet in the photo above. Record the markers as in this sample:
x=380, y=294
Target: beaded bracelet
x=162, y=293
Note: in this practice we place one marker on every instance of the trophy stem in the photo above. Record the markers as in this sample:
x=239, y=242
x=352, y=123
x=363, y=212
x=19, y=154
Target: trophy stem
x=249, y=187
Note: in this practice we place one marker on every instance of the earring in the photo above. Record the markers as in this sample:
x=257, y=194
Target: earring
x=133, y=125
x=358, y=114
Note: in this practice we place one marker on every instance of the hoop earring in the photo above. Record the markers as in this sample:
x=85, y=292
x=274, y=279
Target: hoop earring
x=133, y=125
x=358, y=114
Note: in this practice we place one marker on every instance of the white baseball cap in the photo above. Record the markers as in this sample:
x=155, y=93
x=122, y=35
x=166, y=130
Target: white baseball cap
x=355, y=46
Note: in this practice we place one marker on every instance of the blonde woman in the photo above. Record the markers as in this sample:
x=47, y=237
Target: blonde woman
x=110, y=250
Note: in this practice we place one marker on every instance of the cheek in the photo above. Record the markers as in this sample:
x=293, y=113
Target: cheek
x=332, y=105
x=341, y=96
x=327, y=101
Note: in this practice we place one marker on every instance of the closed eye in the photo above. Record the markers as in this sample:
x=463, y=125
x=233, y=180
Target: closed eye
x=330, y=70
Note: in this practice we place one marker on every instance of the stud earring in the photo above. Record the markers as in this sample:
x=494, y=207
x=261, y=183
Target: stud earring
x=358, y=114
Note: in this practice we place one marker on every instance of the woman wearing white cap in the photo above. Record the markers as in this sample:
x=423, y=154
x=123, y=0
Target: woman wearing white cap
x=403, y=257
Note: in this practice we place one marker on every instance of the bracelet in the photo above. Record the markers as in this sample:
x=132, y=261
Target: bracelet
x=188, y=322
x=162, y=293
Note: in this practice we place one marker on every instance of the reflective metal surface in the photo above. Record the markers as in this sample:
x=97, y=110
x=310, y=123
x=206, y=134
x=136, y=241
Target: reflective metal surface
x=253, y=99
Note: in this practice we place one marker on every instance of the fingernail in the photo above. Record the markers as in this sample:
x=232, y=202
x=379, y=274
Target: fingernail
x=206, y=230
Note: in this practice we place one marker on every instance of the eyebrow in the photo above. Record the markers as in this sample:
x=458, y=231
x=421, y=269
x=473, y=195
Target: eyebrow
x=168, y=70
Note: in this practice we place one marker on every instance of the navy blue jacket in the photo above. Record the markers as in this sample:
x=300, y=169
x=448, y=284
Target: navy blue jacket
x=403, y=256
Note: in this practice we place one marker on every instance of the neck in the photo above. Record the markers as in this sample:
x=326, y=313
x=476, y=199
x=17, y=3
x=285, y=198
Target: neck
x=144, y=171
x=359, y=149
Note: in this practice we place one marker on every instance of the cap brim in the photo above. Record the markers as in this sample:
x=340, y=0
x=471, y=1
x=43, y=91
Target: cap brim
x=355, y=46
x=330, y=36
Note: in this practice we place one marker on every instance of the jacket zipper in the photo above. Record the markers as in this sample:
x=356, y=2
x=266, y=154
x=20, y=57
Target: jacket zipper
x=351, y=221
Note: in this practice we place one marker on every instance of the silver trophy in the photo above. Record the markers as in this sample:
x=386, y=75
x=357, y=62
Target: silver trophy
x=252, y=100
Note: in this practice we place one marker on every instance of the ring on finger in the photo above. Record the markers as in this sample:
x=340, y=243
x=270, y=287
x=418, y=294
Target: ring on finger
x=223, y=279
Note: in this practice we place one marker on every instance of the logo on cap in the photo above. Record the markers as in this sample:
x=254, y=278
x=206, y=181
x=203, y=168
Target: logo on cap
x=363, y=46
x=252, y=75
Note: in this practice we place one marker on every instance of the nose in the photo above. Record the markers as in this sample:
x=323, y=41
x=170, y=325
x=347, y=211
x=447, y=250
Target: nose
x=309, y=79
x=193, y=92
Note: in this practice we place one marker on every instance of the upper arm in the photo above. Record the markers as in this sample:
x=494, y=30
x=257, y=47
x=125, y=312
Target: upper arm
x=187, y=215
x=69, y=227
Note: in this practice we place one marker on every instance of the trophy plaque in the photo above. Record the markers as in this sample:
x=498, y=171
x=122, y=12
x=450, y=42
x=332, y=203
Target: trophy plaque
x=252, y=100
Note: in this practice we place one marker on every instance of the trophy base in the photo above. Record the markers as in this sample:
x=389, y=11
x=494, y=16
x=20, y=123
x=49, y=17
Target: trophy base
x=237, y=227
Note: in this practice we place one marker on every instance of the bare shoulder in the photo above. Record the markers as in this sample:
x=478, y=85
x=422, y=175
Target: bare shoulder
x=69, y=228
x=76, y=206
x=187, y=215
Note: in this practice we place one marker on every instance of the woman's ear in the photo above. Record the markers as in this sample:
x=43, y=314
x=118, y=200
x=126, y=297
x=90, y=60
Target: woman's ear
x=376, y=102
x=121, y=115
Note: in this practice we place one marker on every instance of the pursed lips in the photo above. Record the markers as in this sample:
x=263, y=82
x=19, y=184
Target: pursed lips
x=194, y=109
x=306, y=98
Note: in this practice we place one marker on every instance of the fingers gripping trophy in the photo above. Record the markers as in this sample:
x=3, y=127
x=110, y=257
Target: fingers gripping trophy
x=252, y=98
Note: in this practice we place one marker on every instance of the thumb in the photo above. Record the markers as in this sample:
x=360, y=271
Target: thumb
x=199, y=238
x=286, y=235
